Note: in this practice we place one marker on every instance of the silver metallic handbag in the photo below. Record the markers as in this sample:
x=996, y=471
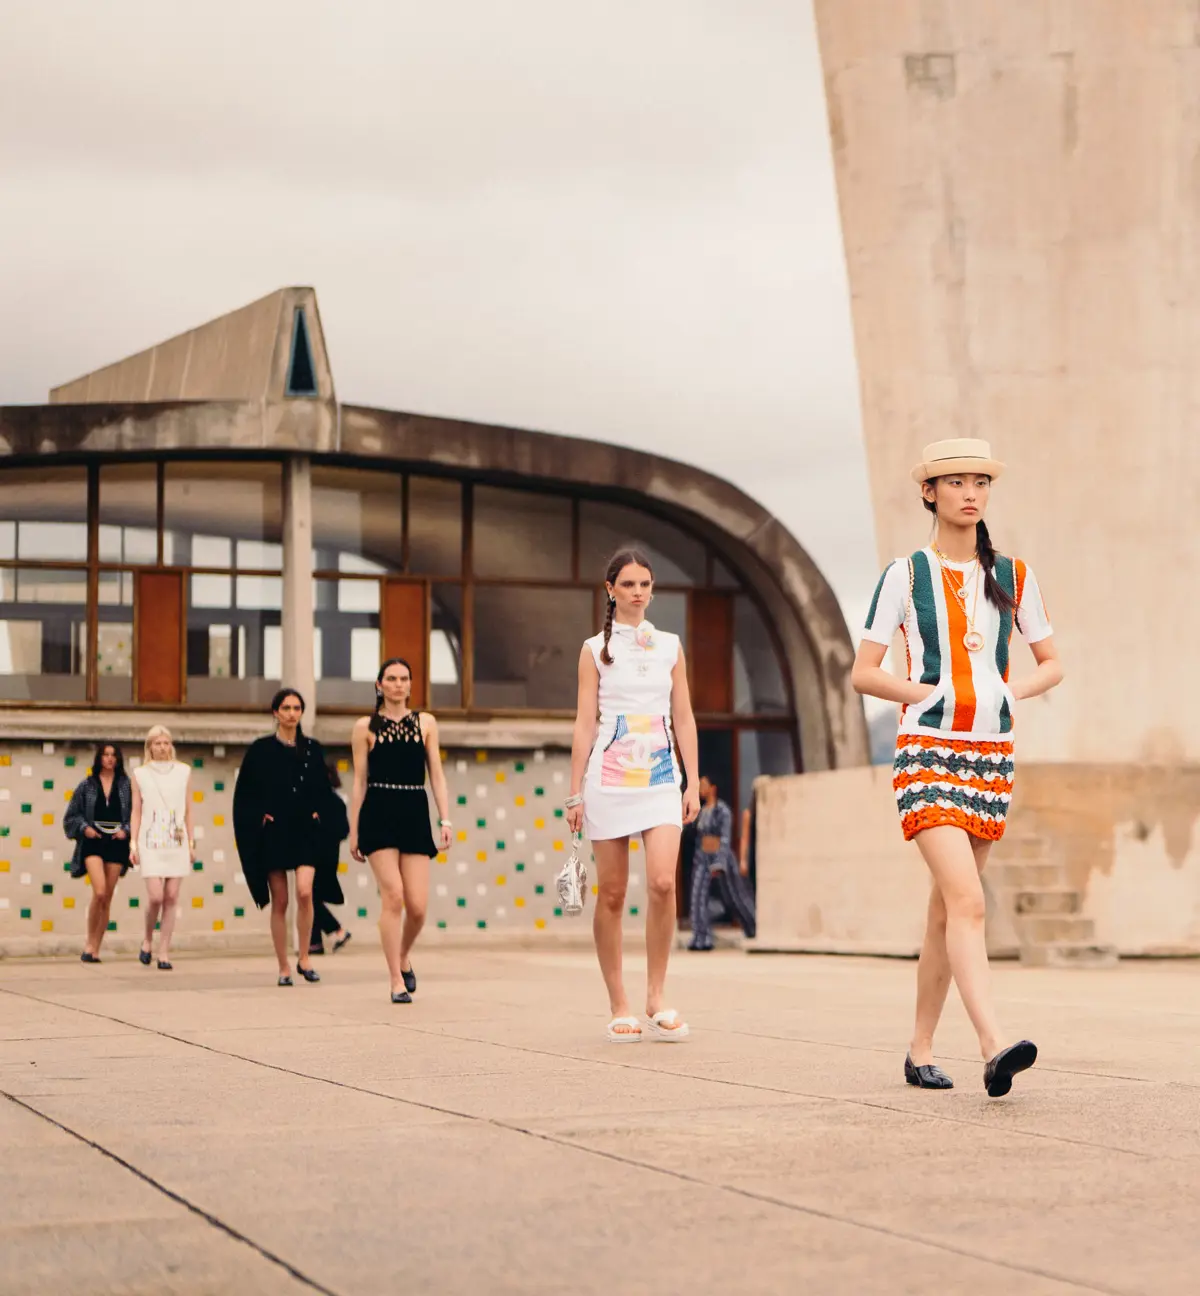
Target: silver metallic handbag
x=572, y=880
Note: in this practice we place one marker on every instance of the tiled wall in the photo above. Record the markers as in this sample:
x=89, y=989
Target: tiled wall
x=510, y=840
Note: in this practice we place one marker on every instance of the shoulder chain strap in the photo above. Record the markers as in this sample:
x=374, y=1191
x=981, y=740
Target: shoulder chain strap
x=911, y=581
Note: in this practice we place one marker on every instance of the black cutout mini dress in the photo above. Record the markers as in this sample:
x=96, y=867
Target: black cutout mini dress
x=395, y=810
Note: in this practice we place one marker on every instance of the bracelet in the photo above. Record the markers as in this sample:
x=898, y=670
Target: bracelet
x=572, y=801
x=445, y=823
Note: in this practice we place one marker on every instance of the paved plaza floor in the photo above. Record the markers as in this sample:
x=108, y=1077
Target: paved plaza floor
x=203, y=1131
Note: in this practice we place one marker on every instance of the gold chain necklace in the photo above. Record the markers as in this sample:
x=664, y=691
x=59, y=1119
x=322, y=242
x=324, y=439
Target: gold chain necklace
x=972, y=641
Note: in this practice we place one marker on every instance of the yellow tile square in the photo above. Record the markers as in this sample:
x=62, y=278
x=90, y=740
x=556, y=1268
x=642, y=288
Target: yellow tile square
x=539, y=923
x=481, y=856
x=87, y=881
x=595, y=889
x=519, y=902
x=462, y=836
x=26, y=842
x=518, y=801
x=481, y=756
x=500, y=776
x=197, y=796
x=47, y=925
x=218, y=821
x=635, y=845
x=343, y=867
x=558, y=845
x=539, y=823
x=68, y=794
x=441, y=859
x=197, y=902
x=343, y=767
x=47, y=819
x=218, y=924
x=5, y=760
x=4, y=866
x=501, y=879
x=68, y=902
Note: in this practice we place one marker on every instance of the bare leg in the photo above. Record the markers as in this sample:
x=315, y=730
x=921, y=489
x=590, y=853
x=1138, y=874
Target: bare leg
x=948, y=854
x=414, y=870
x=305, y=877
x=97, y=913
x=933, y=968
x=170, y=912
x=112, y=875
x=661, y=846
x=385, y=864
x=154, y=905
x=612, y=882
x=278, y=883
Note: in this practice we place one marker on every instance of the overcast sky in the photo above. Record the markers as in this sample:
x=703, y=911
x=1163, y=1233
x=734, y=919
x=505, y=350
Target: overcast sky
x=610, y=220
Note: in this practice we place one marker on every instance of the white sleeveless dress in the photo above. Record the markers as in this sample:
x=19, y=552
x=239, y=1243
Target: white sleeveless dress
x=632, y=781
x=162, y=835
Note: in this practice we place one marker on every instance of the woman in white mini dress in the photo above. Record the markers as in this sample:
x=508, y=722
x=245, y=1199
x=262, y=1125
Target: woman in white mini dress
x=633, y=729
x=163, y=841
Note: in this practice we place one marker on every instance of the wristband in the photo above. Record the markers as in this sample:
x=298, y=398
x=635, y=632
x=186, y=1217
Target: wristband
x=445, y=823
x=572, y=801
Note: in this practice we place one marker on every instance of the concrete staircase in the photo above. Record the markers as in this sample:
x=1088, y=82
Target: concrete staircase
x=1035, y=913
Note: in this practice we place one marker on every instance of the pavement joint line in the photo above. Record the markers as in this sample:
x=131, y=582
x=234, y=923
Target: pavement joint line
x=212, y=1220
x=573, y=1146
x=833, y=1099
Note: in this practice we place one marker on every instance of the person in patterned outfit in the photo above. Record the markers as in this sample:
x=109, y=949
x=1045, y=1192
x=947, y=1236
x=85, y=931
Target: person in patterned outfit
x=714, y=864
x=956, y=603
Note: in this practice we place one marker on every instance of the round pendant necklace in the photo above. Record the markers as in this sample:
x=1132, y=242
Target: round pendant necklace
x=973, y=640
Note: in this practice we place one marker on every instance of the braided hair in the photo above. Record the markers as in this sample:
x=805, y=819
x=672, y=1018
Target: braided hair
x=993, y=591
x=376, y=721
x=624, y=557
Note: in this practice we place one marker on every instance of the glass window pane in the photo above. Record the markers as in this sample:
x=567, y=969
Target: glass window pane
x=670, y=612
x=260, y=592
x=676, y=558
x=43, y=635
x=129, y=513
x=114, y=643
x=445, y=646
x=527, y=644
x=357, y=515
x=207, y=507
x=348, y=649
x=47, y=511
x=254, y=554
x=761, y=752
x=723, y=578
x=116, y=589
x=758, y=684
x=434, y=527
x=521, y=534
x=233, y=653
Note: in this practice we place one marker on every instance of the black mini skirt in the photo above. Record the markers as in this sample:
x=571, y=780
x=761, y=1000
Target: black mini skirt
x=395, y=819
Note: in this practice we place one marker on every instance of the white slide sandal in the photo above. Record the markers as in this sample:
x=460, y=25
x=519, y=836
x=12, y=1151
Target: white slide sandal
x=668, y=1026
x=631, y=1035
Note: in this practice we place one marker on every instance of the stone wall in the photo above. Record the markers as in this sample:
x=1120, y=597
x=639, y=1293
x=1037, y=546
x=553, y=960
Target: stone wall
x=510, y=841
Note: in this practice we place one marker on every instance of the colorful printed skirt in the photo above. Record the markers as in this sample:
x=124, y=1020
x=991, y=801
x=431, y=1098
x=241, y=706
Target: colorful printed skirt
x=952, y=781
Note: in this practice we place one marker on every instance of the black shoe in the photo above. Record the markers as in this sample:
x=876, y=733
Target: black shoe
x=315, y=949
x=999, y=1072
x=164, y=966
x=285, y=981
x=401, y=996
x=144, y=957
x=926, y=1077
x=337, y=944
x=309, y=974
x=85, y=957
x=410, y=980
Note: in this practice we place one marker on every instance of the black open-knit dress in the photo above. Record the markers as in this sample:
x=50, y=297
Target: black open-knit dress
x=395, y=809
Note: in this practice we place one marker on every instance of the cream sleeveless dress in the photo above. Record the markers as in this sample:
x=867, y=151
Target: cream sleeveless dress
x=162, y=836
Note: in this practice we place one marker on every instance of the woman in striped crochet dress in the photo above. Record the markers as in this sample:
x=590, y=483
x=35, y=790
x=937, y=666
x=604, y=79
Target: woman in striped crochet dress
x=957, y=603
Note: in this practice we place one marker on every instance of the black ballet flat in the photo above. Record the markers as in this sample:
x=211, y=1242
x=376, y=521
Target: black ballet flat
x=144, y=958
x=285, y=981
x=401, y=996
x=309, y=974
x=85, y=957
x=337, y=944
x=926, y=1077
x=164, y=966
x=999, y=1072
x=410, y=980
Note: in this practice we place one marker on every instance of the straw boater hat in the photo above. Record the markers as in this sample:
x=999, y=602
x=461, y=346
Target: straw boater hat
x=963, y=455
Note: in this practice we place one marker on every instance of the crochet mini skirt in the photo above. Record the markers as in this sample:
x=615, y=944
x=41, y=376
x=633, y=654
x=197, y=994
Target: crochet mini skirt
x=958, y=782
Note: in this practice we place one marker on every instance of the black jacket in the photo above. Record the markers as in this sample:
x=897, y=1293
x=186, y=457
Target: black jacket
x=81, y=813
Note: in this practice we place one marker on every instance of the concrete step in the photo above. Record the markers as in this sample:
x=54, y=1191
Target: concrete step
x=1050, y=900
x=1070, y=954
x=1024, y=877
x=1055, y=928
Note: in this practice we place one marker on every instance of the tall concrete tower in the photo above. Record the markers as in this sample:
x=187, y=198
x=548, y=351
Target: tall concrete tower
x=1019, y=183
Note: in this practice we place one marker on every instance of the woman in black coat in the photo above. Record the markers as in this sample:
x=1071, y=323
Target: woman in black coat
x=97, y=821
x=280, y=800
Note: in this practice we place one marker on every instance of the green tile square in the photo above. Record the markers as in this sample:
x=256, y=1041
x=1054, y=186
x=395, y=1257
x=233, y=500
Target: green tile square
x=47, y=888
x=47, y=785
x=633, y=911
x=158, y=926
x=112, y=926
x=520, y=868
x=462, y=800
x=218, y=786
x=198, y=763
x=239, y=912
x=442, y=923
x=218, y=888
x=4, y=831
x=539, y=791
x=462, y=902
x=26, y=913
x=69, y=762
x=134, y=902
x=539, y=889
x=197, y=866
x=558, y=814
x=480, y=823
x=362, y=913
x=480, y=923
x=557, y=912
x=499, y=845
x=26, y=808
x=67, y=867
x=520, y=767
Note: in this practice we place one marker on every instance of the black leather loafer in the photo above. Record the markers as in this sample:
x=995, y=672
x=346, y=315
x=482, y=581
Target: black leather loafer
x=309, y=974
x=410, y=980
x=401, y=996
x=999, y=1072
x=926, y=1077
x=144, y=957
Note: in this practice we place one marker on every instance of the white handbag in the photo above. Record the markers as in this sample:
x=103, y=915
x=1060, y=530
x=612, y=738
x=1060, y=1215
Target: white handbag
x=572, y=880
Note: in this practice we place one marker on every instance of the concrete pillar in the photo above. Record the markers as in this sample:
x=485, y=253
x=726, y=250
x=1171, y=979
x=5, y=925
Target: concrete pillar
x=298, y=630
x=1020, y=210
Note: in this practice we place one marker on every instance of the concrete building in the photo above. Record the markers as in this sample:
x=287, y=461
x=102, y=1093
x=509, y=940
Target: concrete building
x=1019, y=207
x=186, y=528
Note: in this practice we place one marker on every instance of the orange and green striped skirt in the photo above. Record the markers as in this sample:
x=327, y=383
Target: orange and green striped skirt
x=958, y=782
